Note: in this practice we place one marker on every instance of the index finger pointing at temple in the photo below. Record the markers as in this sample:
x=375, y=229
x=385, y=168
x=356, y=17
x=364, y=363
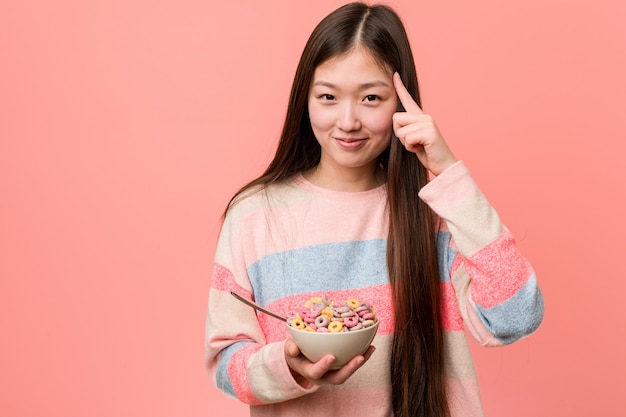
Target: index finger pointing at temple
x=403, y=94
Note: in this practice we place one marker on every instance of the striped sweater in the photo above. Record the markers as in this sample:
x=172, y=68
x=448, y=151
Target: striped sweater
x=296, y=240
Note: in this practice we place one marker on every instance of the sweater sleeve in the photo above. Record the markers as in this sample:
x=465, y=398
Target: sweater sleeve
x=495, y=285
x=237, y=357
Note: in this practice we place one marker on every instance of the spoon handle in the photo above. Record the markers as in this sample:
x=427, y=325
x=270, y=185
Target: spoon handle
x=256, y=306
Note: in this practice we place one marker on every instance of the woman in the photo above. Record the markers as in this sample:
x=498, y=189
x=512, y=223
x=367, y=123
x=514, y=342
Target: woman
x=346, y=209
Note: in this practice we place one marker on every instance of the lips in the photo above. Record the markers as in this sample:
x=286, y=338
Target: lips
x=350, y=143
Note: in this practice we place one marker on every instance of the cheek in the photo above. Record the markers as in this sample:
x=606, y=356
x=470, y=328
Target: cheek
x=381, y=122
x=320, y=119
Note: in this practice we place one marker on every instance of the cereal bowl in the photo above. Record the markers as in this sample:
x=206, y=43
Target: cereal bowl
x=343, y=346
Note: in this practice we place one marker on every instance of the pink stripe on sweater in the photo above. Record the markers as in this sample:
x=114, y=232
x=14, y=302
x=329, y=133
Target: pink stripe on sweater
x=377, y=296
x=450, y=308
x=491, y=284
x=223, y=279
x=238, y=374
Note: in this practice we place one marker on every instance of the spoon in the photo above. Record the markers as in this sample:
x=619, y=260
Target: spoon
x=256, y=306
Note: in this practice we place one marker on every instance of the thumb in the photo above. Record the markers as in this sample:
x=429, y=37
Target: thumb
x=291, y=348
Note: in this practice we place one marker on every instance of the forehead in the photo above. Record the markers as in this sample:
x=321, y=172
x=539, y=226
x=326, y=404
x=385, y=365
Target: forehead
x=356, y=63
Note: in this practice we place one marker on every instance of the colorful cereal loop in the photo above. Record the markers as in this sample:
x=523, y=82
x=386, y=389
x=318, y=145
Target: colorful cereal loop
x=327, y=312
x=312, y=301
x=351, y=321
x=354, y=303
x=321, y=321
x=298, y=323
x=335, y=327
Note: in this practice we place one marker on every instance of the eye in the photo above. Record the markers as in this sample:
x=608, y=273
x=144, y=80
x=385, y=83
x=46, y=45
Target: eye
x=371, y=98
x=327, y=97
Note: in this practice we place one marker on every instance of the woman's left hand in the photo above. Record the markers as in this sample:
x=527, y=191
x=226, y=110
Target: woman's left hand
x=419, y=134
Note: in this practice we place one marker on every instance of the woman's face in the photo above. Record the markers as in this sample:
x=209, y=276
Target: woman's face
x=351, y=104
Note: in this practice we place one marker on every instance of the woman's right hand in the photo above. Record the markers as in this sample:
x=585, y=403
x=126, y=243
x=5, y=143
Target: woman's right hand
x=306, y=372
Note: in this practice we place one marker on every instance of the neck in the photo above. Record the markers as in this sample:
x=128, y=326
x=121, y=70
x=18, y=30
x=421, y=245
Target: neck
x=344, y=179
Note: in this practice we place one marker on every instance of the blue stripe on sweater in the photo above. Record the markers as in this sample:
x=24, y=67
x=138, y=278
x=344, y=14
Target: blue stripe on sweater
x=222, y=377
x=516, y=317
x=445, y=255
x=319, y=268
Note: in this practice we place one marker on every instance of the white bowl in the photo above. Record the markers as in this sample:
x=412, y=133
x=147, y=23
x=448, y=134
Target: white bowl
x=344, y=345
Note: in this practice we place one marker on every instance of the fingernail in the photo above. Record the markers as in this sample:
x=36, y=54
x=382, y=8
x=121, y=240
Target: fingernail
x=330, y=360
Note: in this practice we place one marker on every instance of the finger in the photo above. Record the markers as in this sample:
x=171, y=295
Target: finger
x=404, y=96
x=291, y=348
x=318, y=369
x=341, y=375
x=368, y=353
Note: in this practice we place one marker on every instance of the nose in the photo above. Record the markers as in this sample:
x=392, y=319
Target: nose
x=348, y=120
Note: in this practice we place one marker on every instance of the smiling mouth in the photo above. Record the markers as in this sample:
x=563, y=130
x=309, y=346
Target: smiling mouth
x=350, y=143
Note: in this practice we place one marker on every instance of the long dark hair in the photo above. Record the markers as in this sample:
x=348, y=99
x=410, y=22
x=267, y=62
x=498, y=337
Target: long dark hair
x=417, y=358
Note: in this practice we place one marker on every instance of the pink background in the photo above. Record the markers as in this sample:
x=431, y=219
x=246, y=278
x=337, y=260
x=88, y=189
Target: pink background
x=125, y=127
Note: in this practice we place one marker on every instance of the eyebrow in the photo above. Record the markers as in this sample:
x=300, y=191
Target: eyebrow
x=364, y=86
